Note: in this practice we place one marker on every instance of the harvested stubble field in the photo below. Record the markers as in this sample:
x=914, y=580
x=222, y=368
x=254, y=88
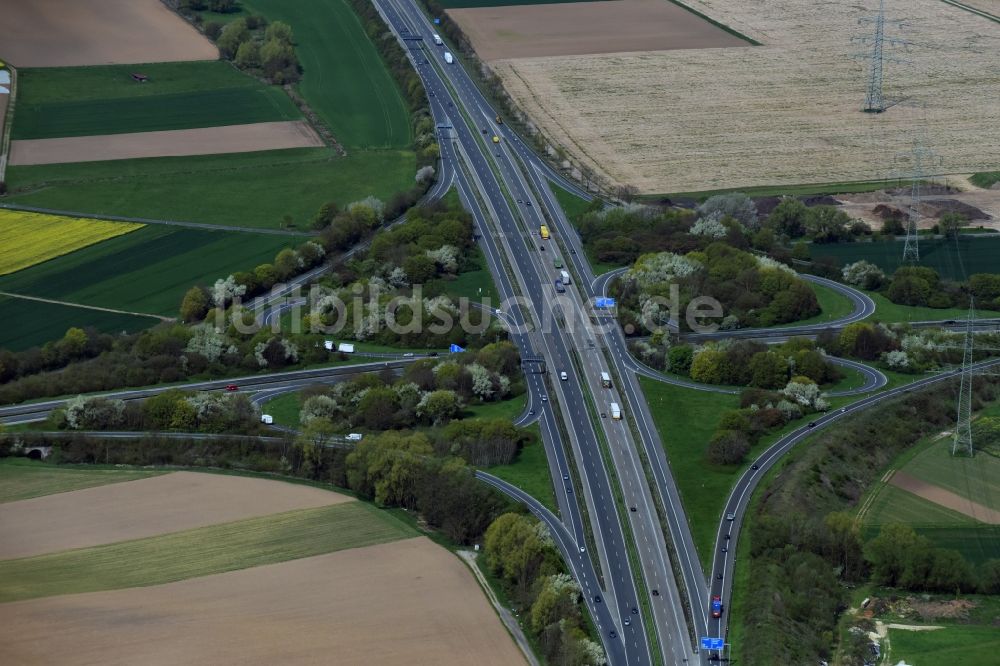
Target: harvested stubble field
x=52, y=33
x=782, y=113
x=578, y=28
x=408, y=602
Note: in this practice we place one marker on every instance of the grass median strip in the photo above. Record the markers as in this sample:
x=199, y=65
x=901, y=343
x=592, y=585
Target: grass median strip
x=200, y=552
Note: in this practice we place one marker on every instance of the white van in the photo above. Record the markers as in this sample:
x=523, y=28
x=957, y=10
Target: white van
x=448, y=57
x=437, y=39
x=267, y=419
x=565, y=277
x=354, y=437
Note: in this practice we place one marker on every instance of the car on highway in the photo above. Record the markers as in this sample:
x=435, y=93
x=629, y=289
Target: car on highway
x=627, y=621
x=597, y=599
x=716, y=606
x=582, y=549
x=496, y=139
x=656, y=593
x=545, y=398
x=613, y=633
x=232, y=387
x=563, y=376
x=632, y=509
x=755, y=466
x=730, y=516
x=812, y=424
x=635, y=611
x=565, y=477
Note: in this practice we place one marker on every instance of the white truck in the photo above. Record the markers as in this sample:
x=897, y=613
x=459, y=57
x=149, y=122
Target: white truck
x=437, y=39
x=346, y=348
x=605, y=380
x=616, y=411
x=448, y=57
x=565, y=277
x=266, y=419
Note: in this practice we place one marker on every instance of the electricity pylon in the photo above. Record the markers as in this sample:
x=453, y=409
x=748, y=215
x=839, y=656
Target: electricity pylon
x=920, y=159
x=962, y=440
x=876, y=57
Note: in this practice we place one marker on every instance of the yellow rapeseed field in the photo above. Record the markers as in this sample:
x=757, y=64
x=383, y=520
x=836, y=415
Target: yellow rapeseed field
x=27, y=239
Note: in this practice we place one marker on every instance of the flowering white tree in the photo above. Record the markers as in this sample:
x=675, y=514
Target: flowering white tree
x=863, y=274
x=736, y=205
x=319, y=407
x=897, y=360
x=482, y=381
x=224, y=291
x=768, y=262
x=424, y=174
x=207, y=341
x=711, y=227
x=446, y=257
x=94, y=412
x=806, y=394
x=376, y=206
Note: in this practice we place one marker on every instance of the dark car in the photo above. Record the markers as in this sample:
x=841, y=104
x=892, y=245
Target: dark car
x=656, y=593
x=755, y=466
x=613, y=633
x=812, y=424
x=632, y=509
x=232, y=387
x=635, y=611
x=597, y=599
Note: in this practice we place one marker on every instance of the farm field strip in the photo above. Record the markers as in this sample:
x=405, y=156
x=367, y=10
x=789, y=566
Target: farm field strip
x=236, y=189
x=344, y=79
x=400, y=603
x=135, y=510
x=81, y=101
x=52, y=34
x=199, y=552
x=783, y=113
x=562, y=29
x=20, y=481
x=146, y=271
x=954, y=260
x=27, y=238
x=33, y=323
x=166, y=143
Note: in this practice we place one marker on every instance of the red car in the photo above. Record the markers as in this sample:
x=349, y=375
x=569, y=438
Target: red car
x=716, y=606
x=232, y=387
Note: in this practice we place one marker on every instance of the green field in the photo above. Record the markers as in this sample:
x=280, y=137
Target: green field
x=145, y=271
x=240, y=189
x=505, y=409
x=31, y=323
x=931, y=461
x=530, y=472
x=955, y=260
x=200, y=552
x=976, y=479
x=285, y=409
x=344, y=79
x=81, y=101
x=955, y=644
x=22, y=479
x=887, y=311
x=686, y=420
x=986, y=178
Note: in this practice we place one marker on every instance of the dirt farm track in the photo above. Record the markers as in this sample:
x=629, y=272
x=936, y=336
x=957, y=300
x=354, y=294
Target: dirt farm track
x=782, y=113
x=408, y=602
x=52, y=33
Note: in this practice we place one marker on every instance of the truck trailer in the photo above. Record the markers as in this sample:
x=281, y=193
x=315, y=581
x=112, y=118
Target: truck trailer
x=448, y=57
x=565, y=277
x=616, y=411
x=437, y=39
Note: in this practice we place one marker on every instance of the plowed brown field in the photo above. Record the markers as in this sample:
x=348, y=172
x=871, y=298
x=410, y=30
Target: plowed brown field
x=576, y=28
x=408, y=602
x=786, y=112
x=143, y=508
x=166, y=143
x=52, y=33
x=945, y=498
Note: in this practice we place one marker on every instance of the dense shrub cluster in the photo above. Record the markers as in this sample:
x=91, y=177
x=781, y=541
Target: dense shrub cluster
x=429, y=392
x=805, y=544
x=752, y=290
x=900, y=348
x=519, y=552
x=739, y=362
